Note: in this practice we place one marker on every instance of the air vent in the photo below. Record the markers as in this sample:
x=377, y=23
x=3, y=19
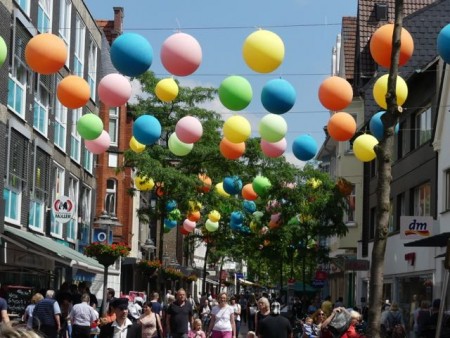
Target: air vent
x=381, y=11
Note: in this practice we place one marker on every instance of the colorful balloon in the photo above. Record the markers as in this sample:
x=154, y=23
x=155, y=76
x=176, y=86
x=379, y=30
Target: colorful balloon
x=181, y=54
x=211, y=226
x=214, y=216
x=188, y=225
x=171, y=205
x=3, y=51
x=304, y=147
x=73, y=92
x=376, y=126
x=230, y=150
x=275, y=149
x=335, y=93
x=136, y=146
x=46, y=53
x=237, y=129
x=248, y=193
x=144, y=183
x=206, y=183
x=363, y=147
x=146, y=129
x=194, y=216
x=263, y=51
x=341, y=126
x=235, y=92
x=220, y=191
x=100, y=144
x=189, y=129
x=166, y=89
x=261, y=185
x=380, y=90
x=114, y=90
x=272, y=128
x=170, y=223
x=177, y=147
x=89, y=126
x=232, y=185
x=443, y=43
x=249, y=206
x=278, y=96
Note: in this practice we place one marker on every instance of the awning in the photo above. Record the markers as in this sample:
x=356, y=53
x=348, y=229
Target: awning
x=41, y=245
x=439, y=240
x=211, y=281
x=247, y=282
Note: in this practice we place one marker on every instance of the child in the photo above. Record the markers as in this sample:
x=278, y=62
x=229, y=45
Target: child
x=197, y=332
x=251, y=334
x=308, y=327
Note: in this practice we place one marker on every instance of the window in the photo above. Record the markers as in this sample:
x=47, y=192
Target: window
x=401, y=209
x=24, y=5
x=41, y=102
x=44, y=24
x=114, y=125
x=85, y=214
x=88, y=162
x=58, y=175
x=41, y=184
x=391, y=224
x=18, y=76
x=65, y=12
x=75, y=139
x=72, y=226
x=16, y=175
x=350, y=212
x=92, y=67
x=422, y=199
x=111, y=196
x=80, y=31
x=423, y=127
x=60, y=123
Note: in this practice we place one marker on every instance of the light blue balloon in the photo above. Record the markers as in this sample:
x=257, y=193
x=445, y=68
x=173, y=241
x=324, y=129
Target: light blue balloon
x=249, y=206
x=376, y=126
x=236, y=217
x=169, y=223
x=443, y=43
x=278, y=96
x=147, y=129
x=232, y=185
x=304, y=147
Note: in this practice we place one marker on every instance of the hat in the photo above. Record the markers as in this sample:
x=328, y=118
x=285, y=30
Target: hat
x=120, y=303
x=275, y=308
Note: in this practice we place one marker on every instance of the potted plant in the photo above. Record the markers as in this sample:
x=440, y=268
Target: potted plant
x=106, y=254
x=149, y=266
x=191, y=278
x=172, y=274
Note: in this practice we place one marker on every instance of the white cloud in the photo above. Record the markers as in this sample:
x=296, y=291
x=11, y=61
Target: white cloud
x=136, y=90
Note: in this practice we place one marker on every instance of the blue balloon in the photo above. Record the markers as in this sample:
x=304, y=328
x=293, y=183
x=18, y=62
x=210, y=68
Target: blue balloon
x=304, y=147
x=131, y=54
x=376, y=126
x=443, y=43
x=235, y=226
x=170, y=223
x=278, y=96
x=249, y=206
x=236, y=217
x=171, y=205
x=147, y=129
x=232, y=185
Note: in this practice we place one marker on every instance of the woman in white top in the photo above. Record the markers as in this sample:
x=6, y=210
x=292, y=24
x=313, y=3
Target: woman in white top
x=222, y=319
x=237, y=314
x=28, y=315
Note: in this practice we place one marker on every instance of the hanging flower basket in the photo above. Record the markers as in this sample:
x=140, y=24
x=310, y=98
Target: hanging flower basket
x=106, y=254
x=191, y=278
x=149, y=267
x=172, y=274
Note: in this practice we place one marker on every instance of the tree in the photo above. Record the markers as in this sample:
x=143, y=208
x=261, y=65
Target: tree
x=384, y=157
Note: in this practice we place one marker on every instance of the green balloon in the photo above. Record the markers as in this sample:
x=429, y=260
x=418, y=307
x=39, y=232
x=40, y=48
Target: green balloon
x=179, y=148
x=272, y=128
x=211, y=226
x=235, y=92
x=261, y=185
x=3, y=51
x=89, y=126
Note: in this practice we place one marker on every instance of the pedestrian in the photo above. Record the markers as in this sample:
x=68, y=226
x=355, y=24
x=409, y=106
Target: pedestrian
x=243, y=303
x=197, y=331
x=252, y=308
x=121, y=326
x=237, y=314
x=263, y=312
x=205, y=314
x=179, y=316
x=28, y=315
x=47, y=316
x=82, y=316
x=4, y=318
x=222, y=323
x=275, y=325
x=150, y=322
x=156, y=305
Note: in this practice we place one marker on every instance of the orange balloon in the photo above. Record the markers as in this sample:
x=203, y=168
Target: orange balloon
x=341, y=126
x=381, y=46
x=194, y=216
x=73, y=92
x=335, y=93
x=230, y=150
x=207, y=182
x=46, y=53
x=248, y=193
x=274, y=224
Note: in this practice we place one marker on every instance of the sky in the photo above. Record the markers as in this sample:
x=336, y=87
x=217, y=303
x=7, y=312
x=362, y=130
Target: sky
x=308, y=29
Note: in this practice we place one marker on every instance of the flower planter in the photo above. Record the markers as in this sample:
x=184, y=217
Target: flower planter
x=106, y=259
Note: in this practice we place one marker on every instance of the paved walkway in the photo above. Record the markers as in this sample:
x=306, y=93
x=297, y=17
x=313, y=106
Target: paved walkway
x=243, y=330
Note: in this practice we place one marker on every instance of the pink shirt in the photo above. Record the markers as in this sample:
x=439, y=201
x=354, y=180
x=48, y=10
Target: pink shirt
x=196, y=334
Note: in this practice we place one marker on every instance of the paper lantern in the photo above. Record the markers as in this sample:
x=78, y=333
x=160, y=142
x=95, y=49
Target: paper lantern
x=249, y=206
x=3, y=51
x=181, y=54
x=179, y=148
x=89, y=126
x=214, y=216
x=248, y=193
x=261, y=185
x=166, y=89
x=143, y=183
x=147, y=129
x=363, y=147
x=232, y=185
x=194, y=216
x=264, y=230
x=46, y=53
x=230, y=150
x=341, y=126
x=381, y=46
x=189, y=129
x=263, y=51
x=219, y=189
x=272, y=128
x=170, y=223
x=376, y=126
x=188, y=225
x=443, y=43
x=211, y=226
x=131, y=54
x=304, y=147
x=136, y=146
x=235, y=92
x=100, y=144
x=278, y=96
x=275, y=149
x=73, y=92
x=114, y=90
x=275, y=221
x=335, y=93
x=380, y=89
x=171, y=205
x=237, y=129
x=206, y=183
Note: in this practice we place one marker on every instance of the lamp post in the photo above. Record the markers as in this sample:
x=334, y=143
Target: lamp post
x=149, y=247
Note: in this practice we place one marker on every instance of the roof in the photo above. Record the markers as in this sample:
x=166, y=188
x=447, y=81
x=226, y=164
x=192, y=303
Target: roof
x=349, y=44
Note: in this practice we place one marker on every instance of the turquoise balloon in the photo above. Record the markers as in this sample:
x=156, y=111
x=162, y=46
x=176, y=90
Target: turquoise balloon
x=89, y=126
x=146, y=129
x=232, y=185
x=169, y=223
x=304, y=147
x=278, y=96
x=376, y=126
x=443, y=43
x=179, y=148
x=235, y=92
x=249, y=206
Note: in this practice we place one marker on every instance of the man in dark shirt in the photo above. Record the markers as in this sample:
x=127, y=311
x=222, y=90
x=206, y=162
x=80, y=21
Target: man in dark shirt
x=275, y=325
x=179, y=315
x=4, y=318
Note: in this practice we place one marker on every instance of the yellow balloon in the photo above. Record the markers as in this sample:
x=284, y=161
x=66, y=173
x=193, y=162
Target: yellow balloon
x=166, y=89
x=380, y=90
x=214, y=216
x=263, y=51
x=363, y=147
x=237, y=129
x=136, y=146
x=220, y=191
x=143, y=183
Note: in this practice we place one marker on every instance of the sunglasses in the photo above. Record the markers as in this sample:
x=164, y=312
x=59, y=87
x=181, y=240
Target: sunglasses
x=321, y=314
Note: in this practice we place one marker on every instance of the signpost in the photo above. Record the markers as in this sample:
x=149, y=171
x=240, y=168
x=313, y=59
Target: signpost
x=63, y=209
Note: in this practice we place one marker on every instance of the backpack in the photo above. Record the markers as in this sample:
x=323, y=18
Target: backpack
x=395, y=327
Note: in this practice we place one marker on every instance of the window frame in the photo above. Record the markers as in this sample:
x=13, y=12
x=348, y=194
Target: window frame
x=59, y=179
x=423, y=135
x=45, y=11
x=79, y=48
x=92, y=67
x=65, y=25
x=75, y=138
x=111, y=196
x=114, y=122
x=72, y=224
x=60, y=126
x=422, y=202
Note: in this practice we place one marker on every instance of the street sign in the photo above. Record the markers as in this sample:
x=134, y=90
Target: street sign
x=356, y=265
x=318, y=283
x=63, y=209
x=239, y=275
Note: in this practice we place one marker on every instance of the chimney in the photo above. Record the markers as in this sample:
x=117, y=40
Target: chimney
x=118, y=20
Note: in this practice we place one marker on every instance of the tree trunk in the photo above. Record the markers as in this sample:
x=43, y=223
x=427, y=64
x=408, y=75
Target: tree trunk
x=384, y=157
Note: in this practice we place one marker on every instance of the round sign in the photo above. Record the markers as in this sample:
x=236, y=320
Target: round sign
x=63, y=209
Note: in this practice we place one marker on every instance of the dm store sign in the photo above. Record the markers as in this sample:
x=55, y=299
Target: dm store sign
x=416, y=227
x=63, y=209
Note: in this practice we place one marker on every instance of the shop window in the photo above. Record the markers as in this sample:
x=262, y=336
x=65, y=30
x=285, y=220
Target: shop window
x=85, y=214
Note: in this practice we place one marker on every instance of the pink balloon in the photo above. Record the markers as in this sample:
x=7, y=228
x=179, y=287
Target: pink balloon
x=114, y=90
x=100, y=144
x=275, y=217
x=275, y=149
x=188, y=225
x=189, y=129
x=181, y=54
